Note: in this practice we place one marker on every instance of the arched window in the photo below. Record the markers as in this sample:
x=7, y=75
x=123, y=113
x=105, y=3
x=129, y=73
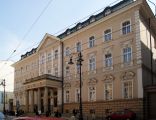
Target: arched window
x=67, y=51
x=78, y=47
x=126, y=27
x=91, y=41
x=108, y=35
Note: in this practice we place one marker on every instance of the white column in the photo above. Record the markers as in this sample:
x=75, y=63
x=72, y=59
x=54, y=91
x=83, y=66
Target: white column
x=45, y=63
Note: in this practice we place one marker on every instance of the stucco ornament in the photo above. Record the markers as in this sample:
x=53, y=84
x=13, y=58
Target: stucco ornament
x=92, y=81
x=128, y=75
x=108, y=78
x=67, y=85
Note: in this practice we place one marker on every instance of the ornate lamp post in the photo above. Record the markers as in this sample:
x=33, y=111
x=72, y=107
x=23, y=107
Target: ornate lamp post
x=79, y=62
x=3, y=84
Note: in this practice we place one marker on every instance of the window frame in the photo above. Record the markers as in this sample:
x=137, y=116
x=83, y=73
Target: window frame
x=126, y=81
x=107, y=60
x=92, y=64
x=77, y=99
x=67, y=96
x=105, y=98
x=67, y=51
x=106, y=34
x=77, y=47
x=56, y=53
x=126, y=55
x=91, y=42
x=89, y=96
x=127, y=20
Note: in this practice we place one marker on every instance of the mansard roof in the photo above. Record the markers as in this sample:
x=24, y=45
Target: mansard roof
x=108, y=10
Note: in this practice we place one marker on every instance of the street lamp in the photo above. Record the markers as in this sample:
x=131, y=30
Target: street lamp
x=79, y=62
x=3, y=84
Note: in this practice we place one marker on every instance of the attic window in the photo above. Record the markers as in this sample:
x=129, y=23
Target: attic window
x=68, y=32
x=92, y=19
x=107, y=12
x=79, y=26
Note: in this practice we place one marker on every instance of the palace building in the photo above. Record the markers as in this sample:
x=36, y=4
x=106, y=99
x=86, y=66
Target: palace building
x=119, y=50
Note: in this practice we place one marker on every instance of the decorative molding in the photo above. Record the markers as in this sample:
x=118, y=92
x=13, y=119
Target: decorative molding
x=127, y=75
x=67, y=85
x=108, y=78
x=92, y=81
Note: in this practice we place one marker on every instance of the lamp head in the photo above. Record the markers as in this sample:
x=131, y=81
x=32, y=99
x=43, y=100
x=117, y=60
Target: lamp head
x=70, y=61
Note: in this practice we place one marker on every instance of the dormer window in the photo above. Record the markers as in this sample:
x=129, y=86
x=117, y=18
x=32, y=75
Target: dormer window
x=92, y=19
x=107, y=11
x=68, y=32
x=79, y=26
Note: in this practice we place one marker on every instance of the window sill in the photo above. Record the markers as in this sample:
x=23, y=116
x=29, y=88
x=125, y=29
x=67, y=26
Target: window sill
x=107, y=68
x=91, y=72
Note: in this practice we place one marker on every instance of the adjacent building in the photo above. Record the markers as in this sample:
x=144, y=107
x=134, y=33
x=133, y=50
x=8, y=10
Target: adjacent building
x=8, y=101
x=118, y=48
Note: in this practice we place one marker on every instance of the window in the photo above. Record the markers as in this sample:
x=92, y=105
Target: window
x=49, y=56
x=108, y=91
x=67, y=71
x=126, y=27
x=127, y=55
x=49, y=71
x=56, y=72
x=91, y=42
x=77, y=69
x=67, y=51
x=67, y=96
x=108, y=35
x=56, y=54
x=78, y=47
x=92, y=93
x=108, y=60
x=77, y=96
x=42, y=59
x=127, y=89
x=92, y=63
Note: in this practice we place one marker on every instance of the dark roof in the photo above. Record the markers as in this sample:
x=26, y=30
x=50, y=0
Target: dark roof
x=108, y=10
x=28, y=53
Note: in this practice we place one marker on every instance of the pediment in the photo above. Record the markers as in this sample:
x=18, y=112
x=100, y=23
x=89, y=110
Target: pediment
x=127, y=75
x=48, y=40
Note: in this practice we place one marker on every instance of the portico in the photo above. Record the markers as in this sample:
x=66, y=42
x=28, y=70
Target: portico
x=41, y=93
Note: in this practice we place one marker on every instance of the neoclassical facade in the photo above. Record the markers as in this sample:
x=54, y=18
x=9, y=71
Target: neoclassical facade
x=115, y=45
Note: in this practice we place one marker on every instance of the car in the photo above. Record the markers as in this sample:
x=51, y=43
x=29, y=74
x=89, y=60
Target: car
x=37, y=118
x=2, y=116
x=125, y=114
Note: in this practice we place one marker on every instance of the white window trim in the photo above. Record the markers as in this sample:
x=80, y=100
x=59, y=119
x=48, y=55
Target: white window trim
x=128, y=19
x=89, y=62
x=122, y=61
x=89, y=41
x=112, y=90
x=104, y=34
x=65, y=96
x=65, y=54
x=123, y=81
x=89, y=94
x=76, y=94
x=76, y=45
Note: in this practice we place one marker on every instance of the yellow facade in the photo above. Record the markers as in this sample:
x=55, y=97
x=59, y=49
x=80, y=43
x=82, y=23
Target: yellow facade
x=113, y=48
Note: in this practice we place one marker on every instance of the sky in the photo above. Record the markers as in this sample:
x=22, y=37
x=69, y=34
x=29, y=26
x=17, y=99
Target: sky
x=20, y=29
x=23, y=24
x=7, y=74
